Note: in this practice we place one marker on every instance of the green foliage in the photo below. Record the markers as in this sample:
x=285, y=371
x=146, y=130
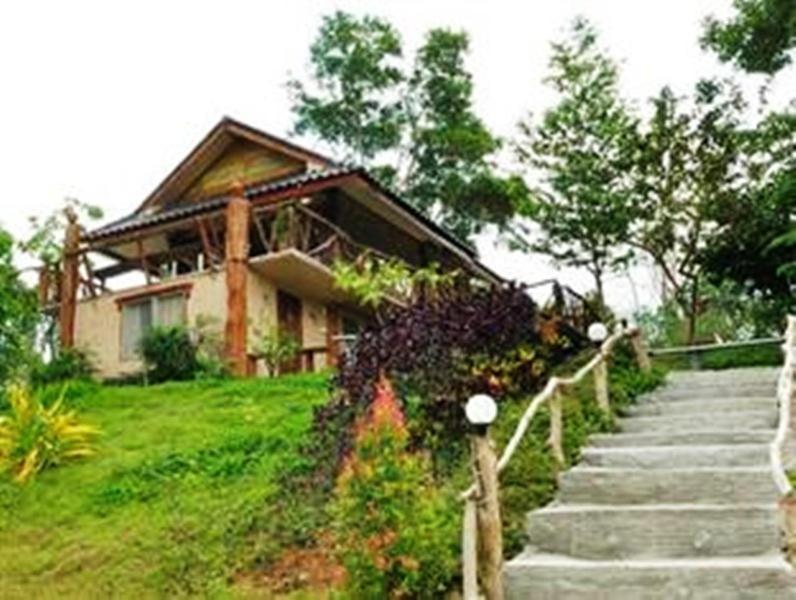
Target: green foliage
x=18, y=314
x=275, y=349
x=374, y=109
x=34, y=437
x=396, y=533
x=354, y=68
x=759, y=38
x=169, y=354
x=68, y=364
x=373, y=281
x=450, y=174
x=584, y=147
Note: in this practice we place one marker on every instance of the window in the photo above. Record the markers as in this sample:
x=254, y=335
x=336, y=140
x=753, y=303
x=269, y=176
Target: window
x=140, y=316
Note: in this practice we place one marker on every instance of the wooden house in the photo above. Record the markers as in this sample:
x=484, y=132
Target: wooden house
x=243, y=231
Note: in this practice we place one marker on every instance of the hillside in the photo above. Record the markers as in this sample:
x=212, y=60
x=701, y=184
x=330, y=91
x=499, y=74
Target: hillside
x=176, y=501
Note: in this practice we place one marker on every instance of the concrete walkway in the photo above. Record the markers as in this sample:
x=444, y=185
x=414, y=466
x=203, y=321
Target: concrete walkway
x=680, y=505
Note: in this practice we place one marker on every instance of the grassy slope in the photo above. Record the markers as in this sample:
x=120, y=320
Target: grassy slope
x=168, y=507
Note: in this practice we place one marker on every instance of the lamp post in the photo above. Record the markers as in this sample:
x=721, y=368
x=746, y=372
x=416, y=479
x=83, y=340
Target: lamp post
x=481, y=411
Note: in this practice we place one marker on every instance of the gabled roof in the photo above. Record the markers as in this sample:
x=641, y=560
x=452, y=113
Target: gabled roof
x=213, y=145
x=321, y=172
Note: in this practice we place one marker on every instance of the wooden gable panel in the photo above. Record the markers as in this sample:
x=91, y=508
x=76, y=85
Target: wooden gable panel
x=244, y=162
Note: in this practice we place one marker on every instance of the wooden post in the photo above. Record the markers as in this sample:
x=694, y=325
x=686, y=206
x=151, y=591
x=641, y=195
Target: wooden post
x=640, y=349
x=557, y=428
x=333, y=329
x=69, y=281
x=490, y=533
x=601, y=385
x=237, y=255
x=470, y=551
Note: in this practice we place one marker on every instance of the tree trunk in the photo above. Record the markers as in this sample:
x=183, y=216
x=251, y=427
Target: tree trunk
x=598, y=283
x=692, y=312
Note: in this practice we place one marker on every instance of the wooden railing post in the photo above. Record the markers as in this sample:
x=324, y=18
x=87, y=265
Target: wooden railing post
x=555, y=440
x=490, y=532
x=470, y=551
x=601, y=385
x=640, y=350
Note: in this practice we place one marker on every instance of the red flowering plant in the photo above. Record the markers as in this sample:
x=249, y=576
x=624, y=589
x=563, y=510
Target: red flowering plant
x=395, y=531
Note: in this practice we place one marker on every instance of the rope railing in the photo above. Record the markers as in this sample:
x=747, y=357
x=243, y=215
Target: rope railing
x=786, y=394
x=481, y=511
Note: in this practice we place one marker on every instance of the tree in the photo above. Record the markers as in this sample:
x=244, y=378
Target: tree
x=18, y=314
x=758, y=39
x=357, y=107
x=414, y=128
x=584, y=147
x=686, y=173
x=449, y=171
x=751, y=244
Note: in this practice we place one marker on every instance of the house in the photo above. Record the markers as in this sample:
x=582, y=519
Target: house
x=243, y=233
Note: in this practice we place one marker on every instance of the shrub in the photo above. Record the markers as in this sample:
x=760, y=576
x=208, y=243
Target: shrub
x=169, y=354
x=441, y=349
x=34, y=437
x=396, y=533
x=69, y=363
x=276, y=349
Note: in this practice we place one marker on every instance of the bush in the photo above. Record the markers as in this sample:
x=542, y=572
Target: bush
x=33, y=437
x=169, y=354
x=68, y=364
x=395, y=532
x=276, y=349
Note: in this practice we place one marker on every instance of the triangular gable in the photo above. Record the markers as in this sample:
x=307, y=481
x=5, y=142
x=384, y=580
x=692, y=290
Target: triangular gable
x=232, y=152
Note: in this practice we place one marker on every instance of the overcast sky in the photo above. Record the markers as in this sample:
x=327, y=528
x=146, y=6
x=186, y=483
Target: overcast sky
x=100, y=100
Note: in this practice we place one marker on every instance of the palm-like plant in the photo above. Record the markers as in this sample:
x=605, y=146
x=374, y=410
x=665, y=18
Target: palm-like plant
x=34, y=437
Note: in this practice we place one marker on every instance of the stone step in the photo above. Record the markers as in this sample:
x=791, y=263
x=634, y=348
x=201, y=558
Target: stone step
x=719, y=393
x=655, y=531
x=655, y=407
x=594, y=485
x=702, y=438
x=746, y=419
x=545, y=577
x=674, y=457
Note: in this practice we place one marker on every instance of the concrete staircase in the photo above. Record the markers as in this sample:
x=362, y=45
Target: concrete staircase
x=681, y=504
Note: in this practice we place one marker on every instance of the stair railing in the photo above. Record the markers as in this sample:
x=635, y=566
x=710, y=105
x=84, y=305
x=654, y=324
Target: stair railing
x=481, y=509
x=786, y=396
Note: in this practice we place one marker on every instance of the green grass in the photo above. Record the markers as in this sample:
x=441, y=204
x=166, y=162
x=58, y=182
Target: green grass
x=179, y=498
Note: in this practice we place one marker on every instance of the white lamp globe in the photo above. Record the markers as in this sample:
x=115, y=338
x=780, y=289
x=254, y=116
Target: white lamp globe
x=597, y=332
x=481, y=409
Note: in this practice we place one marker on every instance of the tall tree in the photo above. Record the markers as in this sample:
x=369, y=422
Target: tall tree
x=414, y=128
x=355, y=105
x=449, y=173
x=686, y=173
x=758, y=39
x=584, y=147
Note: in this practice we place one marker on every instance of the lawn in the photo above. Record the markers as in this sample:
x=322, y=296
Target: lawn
x=177, y=501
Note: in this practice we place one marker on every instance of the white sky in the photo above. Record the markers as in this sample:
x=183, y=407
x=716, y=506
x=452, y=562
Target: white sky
x=100, y=100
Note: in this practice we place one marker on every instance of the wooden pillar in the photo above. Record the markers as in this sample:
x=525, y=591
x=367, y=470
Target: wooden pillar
x=333, y=329
x=470, y=551
x=640, y=349
x=601, y=385
x=237, y=256
x=490, y=532
x=70, y=279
